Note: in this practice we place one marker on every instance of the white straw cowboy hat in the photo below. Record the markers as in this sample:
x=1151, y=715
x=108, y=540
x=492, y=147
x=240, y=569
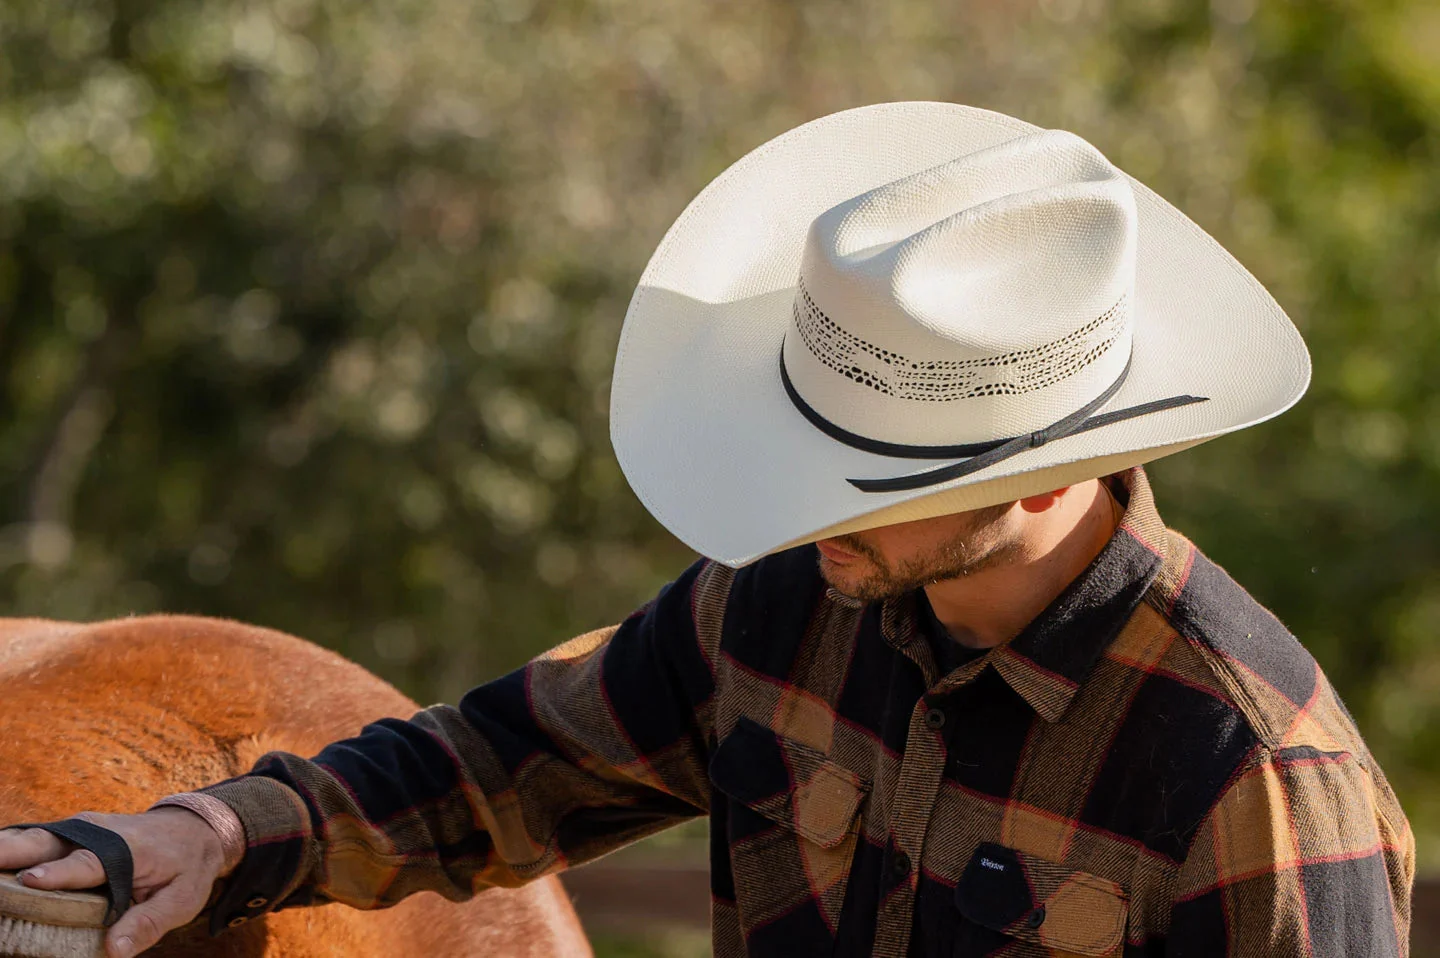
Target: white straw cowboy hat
x=913, y=309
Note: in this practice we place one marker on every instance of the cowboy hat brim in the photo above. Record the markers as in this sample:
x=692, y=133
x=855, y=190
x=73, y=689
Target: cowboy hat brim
x=714, y=448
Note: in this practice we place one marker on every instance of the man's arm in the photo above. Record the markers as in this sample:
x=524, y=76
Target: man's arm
x=593, y=745
x=1305, y=854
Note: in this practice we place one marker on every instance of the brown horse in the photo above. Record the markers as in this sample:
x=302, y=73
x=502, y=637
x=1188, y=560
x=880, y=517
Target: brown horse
x=111, y=716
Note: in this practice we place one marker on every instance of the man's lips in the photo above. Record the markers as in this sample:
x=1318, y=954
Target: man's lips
x=835, y=553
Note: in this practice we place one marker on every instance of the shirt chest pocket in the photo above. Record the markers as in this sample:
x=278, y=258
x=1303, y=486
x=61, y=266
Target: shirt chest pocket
x=791, y=820
x=1038, y=907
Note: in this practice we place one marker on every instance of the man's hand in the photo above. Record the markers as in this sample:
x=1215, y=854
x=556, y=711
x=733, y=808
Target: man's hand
x=178, y=857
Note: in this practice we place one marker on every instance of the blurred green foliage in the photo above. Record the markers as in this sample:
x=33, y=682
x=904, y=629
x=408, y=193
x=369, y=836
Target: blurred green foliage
x=307, y=307
x=661, y=944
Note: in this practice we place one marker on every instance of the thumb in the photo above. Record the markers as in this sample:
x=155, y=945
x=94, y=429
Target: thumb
x=144, y=924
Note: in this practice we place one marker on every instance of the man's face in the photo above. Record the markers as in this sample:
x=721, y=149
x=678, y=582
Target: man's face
x=892, y=560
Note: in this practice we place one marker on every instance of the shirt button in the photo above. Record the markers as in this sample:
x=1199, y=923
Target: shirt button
x=935, y=719
x=1036, y=918
x=900, y=866
x=257, y=902
x=237, y=921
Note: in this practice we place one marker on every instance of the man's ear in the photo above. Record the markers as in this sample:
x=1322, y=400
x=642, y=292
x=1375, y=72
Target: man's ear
x=1045, y=500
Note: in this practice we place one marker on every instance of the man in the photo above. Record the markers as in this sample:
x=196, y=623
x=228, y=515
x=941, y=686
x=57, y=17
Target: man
x=946, y=685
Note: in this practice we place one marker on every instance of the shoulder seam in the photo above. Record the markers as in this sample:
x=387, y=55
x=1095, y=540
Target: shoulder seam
x=1164, y=606
x=1234, y=687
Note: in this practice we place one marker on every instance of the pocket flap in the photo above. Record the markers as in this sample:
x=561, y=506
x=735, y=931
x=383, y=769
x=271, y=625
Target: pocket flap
x=1041, y=901
x=789, y=783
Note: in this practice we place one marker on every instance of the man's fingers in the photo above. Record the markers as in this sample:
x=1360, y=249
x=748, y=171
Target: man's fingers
x=79, y=869
x=22, y=847
x=144, y=924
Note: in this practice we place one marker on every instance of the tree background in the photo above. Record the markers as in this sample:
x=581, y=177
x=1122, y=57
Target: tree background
x=307, y=307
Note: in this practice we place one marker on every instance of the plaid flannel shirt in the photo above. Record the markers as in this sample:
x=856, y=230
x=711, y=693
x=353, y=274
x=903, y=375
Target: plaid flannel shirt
x=1155, y=766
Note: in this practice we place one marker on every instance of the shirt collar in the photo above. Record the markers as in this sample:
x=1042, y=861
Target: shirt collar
x=1049, y=661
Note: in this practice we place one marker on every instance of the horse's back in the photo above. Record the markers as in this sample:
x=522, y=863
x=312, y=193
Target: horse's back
x=111, y=716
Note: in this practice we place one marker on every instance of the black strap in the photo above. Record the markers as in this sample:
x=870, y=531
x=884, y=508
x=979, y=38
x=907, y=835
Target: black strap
x=981, y=455
x=109, y=847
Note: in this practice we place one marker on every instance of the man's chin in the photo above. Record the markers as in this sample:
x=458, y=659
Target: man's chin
x=862, y=585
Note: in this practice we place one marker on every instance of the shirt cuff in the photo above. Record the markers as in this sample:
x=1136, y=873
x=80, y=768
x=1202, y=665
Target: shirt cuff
x=218, y=816
x=279, y=845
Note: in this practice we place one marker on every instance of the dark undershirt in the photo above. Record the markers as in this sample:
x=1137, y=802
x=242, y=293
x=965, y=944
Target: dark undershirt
x=949, y=654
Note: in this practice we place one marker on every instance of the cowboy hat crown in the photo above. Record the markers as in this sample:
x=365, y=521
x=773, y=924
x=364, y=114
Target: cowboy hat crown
x=973, y=301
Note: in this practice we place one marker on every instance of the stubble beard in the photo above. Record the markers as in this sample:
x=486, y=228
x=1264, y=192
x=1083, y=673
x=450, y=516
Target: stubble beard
x=981, y=546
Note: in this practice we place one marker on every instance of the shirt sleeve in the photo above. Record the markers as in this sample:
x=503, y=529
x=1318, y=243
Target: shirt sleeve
x=1306, y=853
x=590, y=746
